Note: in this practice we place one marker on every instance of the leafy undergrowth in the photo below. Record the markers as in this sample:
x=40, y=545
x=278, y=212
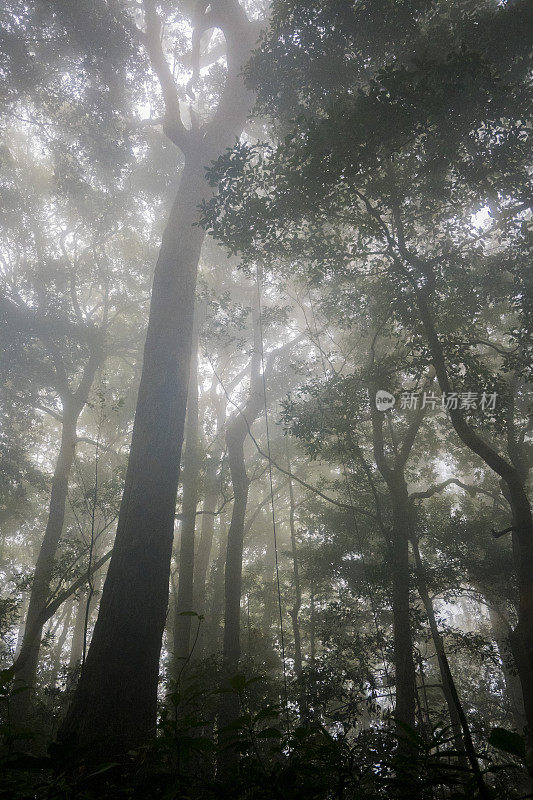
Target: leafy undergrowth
x=262, y=754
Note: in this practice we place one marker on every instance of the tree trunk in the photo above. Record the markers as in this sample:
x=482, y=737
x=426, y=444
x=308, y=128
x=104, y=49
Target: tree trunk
x=233, y=571
x=404, y=666
x=213, y=629
x=269, y=600
x=398, y=548
x=207, y=528
x=521, y=638
x=501, y=632
x=237, y=431
x=295, y=610
x=25, y=665
x=312, y=627
x=231, y=650
x=28, y=658
x=458, y=718
x=22, y=624
x=203, y=554
x=448, y=685
x=114, y=707
x=191, y=470
x=56, y=659
x=76, y=647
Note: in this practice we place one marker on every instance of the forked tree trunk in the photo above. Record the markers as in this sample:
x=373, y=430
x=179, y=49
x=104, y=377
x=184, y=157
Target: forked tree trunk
x=27, y=660
x=237, y=431
x=114, y=708
x=512, y=471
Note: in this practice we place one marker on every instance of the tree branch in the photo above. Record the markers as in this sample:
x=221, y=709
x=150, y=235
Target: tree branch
x=173, y=126
x=439, y=487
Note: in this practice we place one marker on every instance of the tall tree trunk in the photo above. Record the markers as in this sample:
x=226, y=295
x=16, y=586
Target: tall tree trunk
x=115, y=704
x=56, y=658
x=207, y=528
x=312, y=626
x=501, y=631
x=28, y=657
x=269, y=588
x=191, y=471
x=455, y=710
x=295, y=610
x=512, y=475
x=231, y=649
x=398, y=547
x=115, y=701
x=213, y=628
x=455, y=707
x=404, y=665
x=233, y=570
x=521, y=638
x=76, y=646
x=73, y=402
x=203, y=553
x=236, y=433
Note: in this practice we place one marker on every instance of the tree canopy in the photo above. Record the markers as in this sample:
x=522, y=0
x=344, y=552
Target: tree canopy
x=265, y=410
